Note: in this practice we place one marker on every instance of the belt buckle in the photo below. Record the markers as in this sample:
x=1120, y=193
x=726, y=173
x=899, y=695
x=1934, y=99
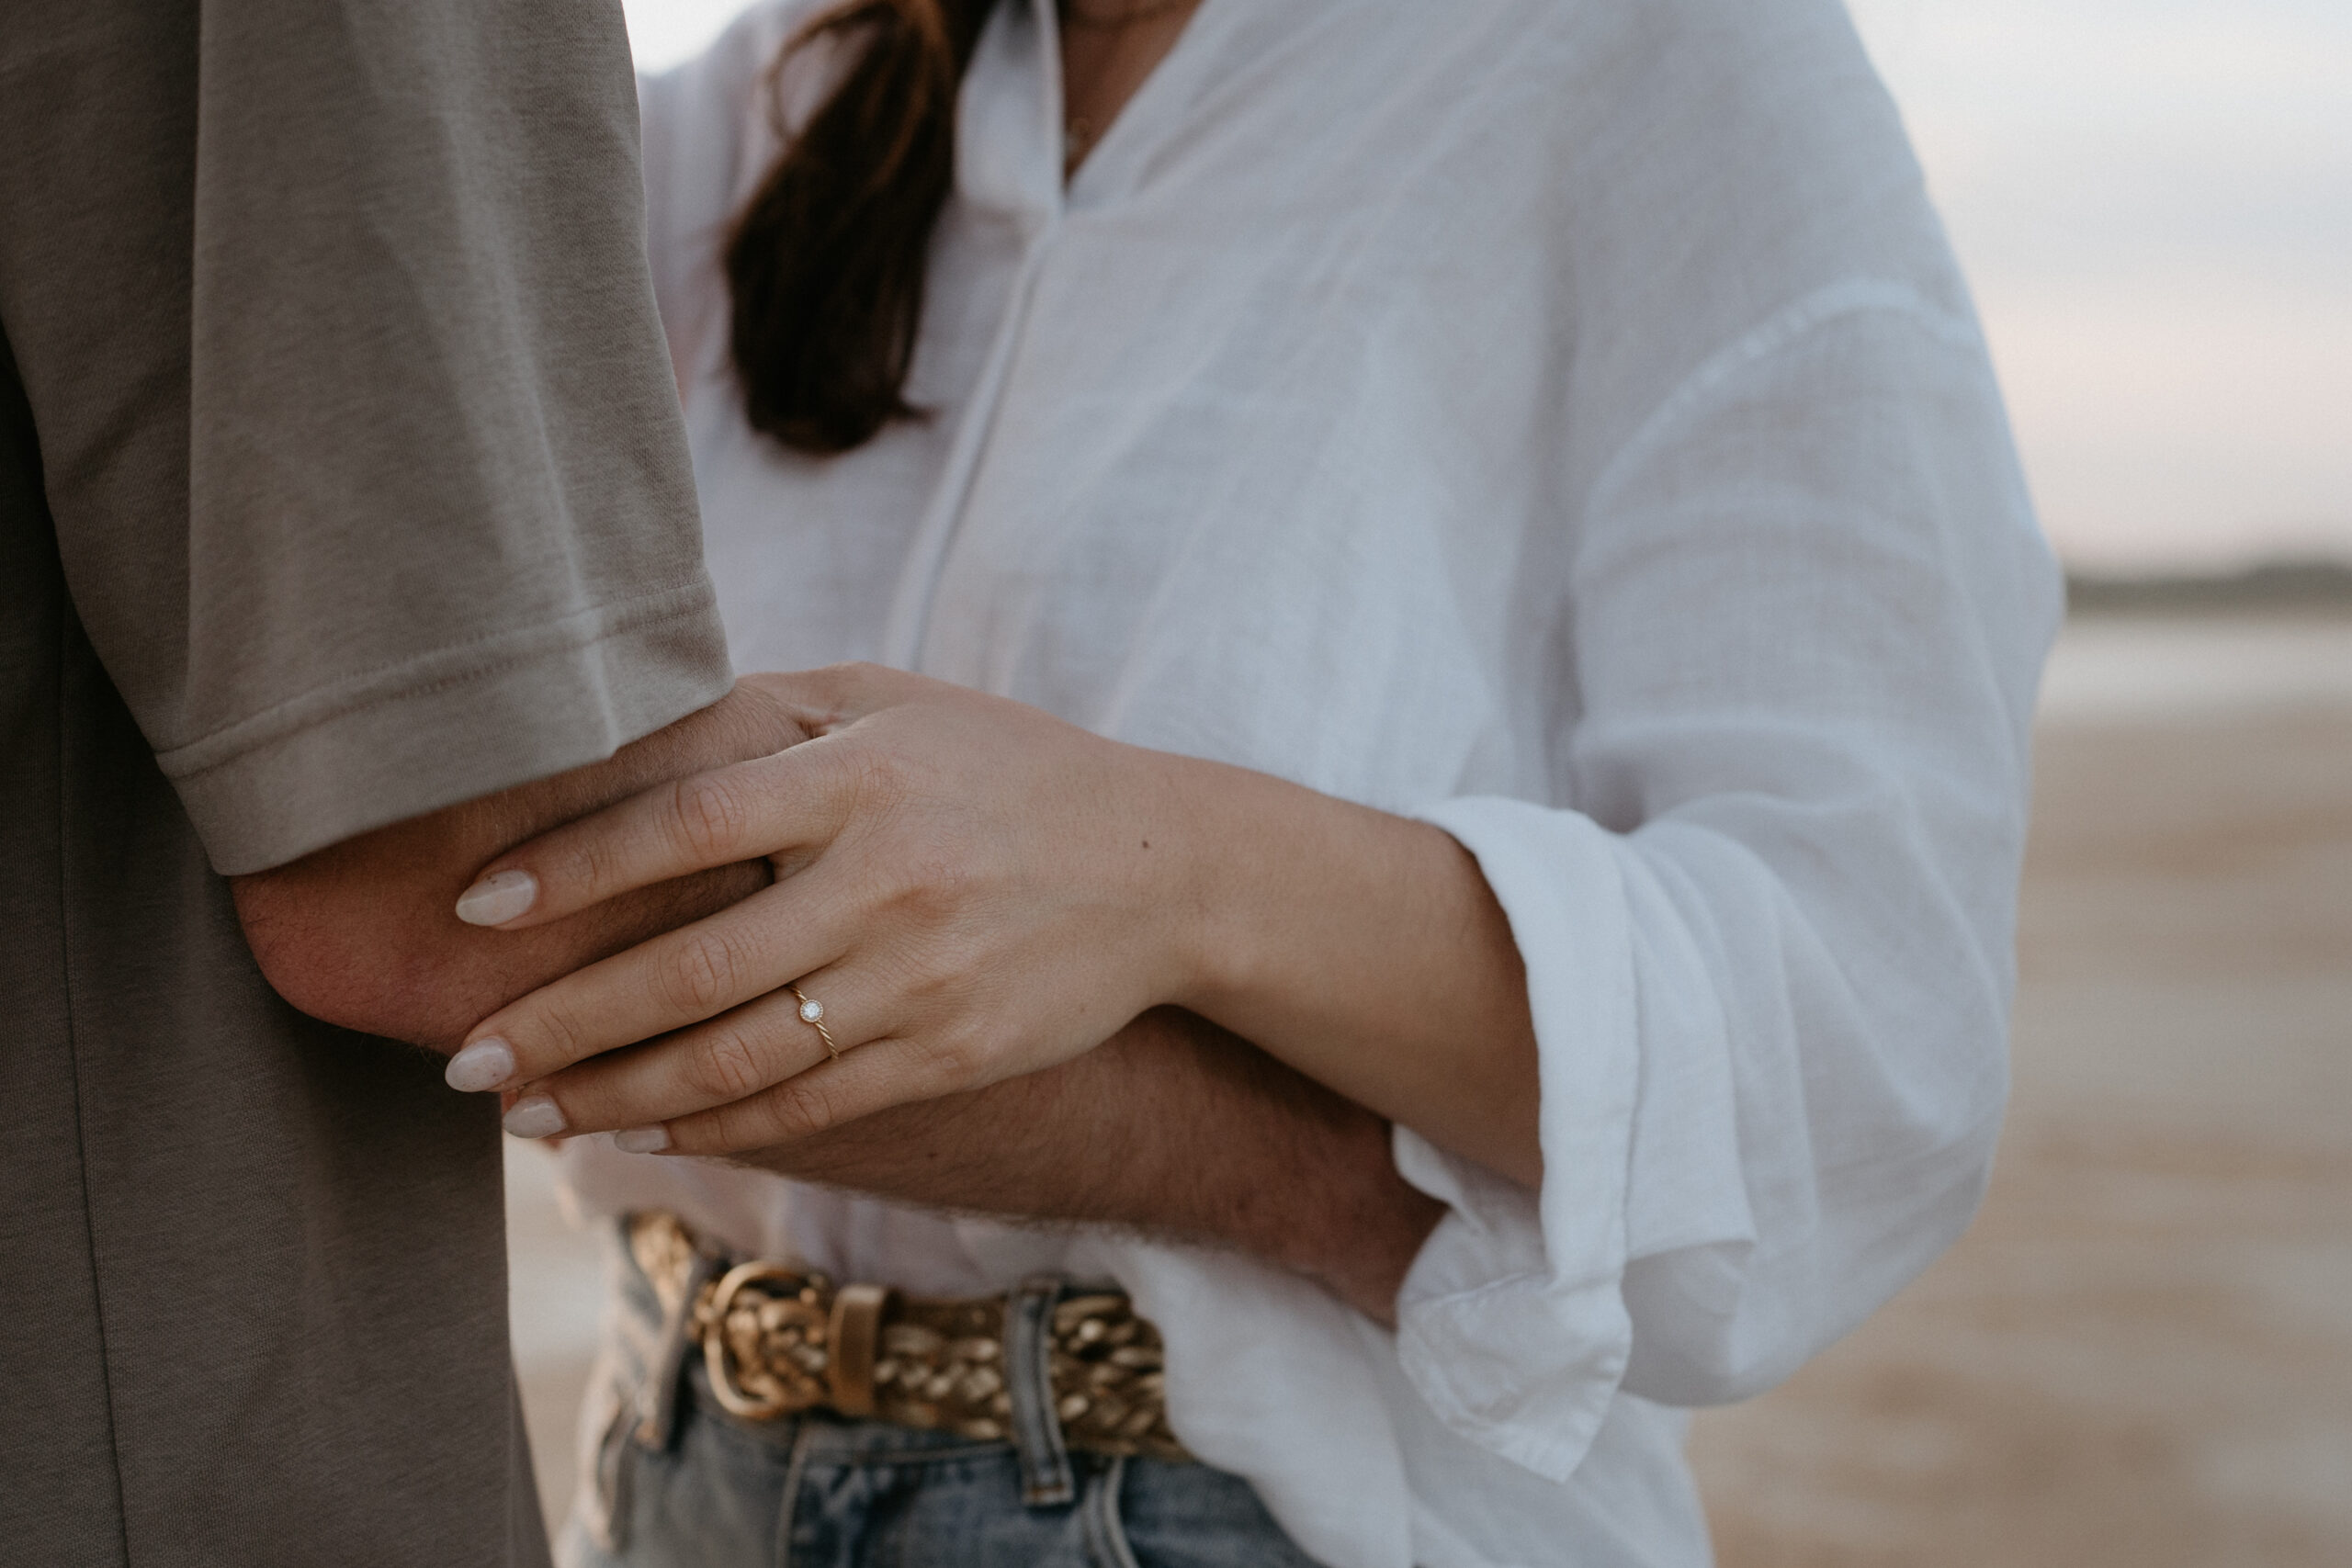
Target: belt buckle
x=767, y=1354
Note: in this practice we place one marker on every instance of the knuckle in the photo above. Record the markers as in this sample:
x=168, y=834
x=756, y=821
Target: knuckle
x=957, y=1057
x=727, y=1066
x=943, y=970
x=800, y=1110
x=878, y=779
x=709, y=816
x=589, y=862
x=939, y=881
x=698, y=975
x=829, y=689
x=552, y=1034
x=931, y=882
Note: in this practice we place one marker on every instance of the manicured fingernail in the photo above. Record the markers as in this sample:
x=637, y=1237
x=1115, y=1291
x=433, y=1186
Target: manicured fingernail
x=534, y=1116
x=497, y=899
x=641, y=1139
x=485, y=1064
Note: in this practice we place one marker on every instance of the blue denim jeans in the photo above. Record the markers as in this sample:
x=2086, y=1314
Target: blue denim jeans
x=675, y=1481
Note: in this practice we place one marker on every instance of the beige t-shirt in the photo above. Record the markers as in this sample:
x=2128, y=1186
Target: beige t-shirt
x=341, y=478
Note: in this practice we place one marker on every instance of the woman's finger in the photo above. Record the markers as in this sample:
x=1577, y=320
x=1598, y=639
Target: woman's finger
x=767, y=806
x=668, y=983
x=875, y=1077
x=736, y=1054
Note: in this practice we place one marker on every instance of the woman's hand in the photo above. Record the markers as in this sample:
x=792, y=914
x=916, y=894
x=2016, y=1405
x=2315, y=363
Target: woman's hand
x=973, y=889
x=970, y=887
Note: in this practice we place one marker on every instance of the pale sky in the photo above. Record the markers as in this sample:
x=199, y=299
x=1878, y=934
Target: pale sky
x=2154, y=202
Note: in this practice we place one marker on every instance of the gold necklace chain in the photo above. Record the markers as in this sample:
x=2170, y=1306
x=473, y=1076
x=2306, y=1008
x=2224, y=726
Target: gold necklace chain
x=1076, y=15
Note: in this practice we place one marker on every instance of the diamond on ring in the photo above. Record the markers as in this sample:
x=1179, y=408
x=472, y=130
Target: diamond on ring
x=812, y=1013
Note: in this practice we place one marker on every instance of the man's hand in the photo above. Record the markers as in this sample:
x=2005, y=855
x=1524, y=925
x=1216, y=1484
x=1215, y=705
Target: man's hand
x=362, y=934
x=1174, y=1128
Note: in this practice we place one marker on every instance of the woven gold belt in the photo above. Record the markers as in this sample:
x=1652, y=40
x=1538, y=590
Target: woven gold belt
x=777, y=1342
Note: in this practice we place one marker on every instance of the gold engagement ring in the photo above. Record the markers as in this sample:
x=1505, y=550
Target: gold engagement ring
x=812, y=1013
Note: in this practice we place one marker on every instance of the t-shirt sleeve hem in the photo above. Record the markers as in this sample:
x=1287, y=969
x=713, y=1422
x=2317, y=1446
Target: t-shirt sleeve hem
x=454, y=727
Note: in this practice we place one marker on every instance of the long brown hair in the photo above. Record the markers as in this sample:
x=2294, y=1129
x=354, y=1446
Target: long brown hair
x=825, y=263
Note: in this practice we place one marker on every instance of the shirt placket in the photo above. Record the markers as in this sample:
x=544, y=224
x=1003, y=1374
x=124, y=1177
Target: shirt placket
x=1008, y=165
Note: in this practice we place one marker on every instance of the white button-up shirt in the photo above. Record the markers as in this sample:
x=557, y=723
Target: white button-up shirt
x=1561, y=422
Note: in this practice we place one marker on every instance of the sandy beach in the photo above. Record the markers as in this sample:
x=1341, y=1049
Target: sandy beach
x=2142, y=1353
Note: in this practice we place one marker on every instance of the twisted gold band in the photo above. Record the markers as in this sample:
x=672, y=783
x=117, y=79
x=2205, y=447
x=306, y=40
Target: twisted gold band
x=812, y=1013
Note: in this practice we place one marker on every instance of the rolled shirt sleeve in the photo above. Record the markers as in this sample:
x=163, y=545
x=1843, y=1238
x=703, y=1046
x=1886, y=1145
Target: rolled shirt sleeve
x=370, y=484
x=1604, y=465
x=1768, y=940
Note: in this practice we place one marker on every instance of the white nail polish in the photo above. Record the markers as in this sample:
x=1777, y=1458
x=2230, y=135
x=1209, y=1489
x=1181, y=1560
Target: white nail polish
x=485, y=1064
x=641, y=1139
x=498, y=899
x=534, y=1116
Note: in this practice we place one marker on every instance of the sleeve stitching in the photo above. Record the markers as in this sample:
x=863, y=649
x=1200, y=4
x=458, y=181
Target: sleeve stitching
x=318, y=705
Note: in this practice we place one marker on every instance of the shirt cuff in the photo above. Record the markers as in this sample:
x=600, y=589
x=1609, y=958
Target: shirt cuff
x=1511, y=1324
x=1502, y=1350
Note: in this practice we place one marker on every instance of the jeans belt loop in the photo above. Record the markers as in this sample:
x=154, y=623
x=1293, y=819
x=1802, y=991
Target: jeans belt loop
x=1046, y=1478
x=658, y=1396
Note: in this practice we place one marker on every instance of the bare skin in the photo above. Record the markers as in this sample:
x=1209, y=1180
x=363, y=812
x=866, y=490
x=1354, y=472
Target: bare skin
x=975, y=890
x=1171, y=1128
x=361, y=935
x=1106, y=59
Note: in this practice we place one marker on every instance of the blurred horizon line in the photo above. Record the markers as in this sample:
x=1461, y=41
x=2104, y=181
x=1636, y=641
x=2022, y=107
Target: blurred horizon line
x=2282, y=582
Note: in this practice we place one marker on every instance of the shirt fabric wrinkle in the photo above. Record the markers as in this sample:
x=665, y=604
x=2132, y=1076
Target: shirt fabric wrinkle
x=1499, y=458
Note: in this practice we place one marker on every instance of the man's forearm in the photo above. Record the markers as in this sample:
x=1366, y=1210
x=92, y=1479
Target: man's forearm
x=1172, y=1127
x=364, y=933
